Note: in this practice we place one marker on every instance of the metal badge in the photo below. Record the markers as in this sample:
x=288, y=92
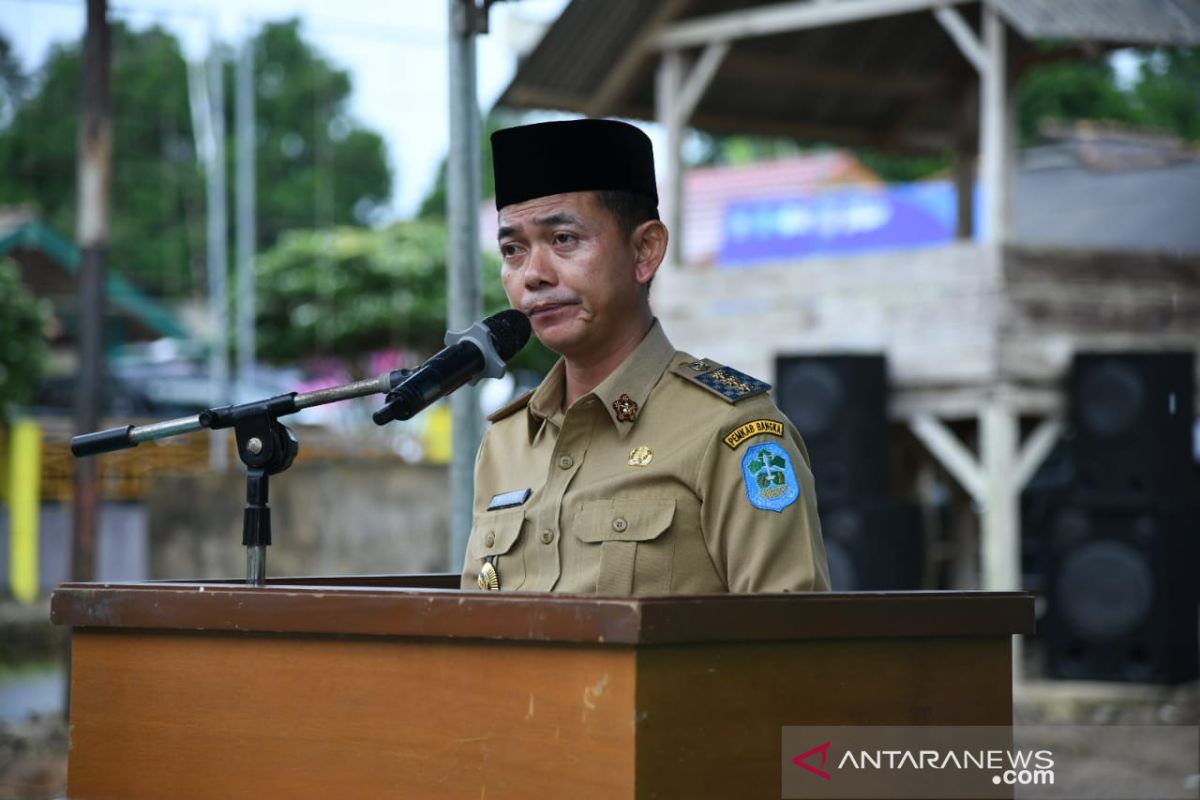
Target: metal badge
x=640, y=456
x=489, y=579
x=626, y=408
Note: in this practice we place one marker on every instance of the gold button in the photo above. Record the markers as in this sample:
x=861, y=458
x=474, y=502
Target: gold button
x=547, y=536
x=566, y=462
x=619, y=524
x=490, y=539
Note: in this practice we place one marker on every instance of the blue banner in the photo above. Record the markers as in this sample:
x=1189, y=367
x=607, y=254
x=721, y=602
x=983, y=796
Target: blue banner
x=840, y=222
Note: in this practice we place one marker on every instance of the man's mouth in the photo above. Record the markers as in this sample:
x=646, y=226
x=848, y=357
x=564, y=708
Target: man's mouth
x=545, y=309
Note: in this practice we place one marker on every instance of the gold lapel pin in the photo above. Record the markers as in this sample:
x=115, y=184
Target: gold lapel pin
x=640, y=456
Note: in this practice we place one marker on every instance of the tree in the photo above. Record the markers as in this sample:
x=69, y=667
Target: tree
x=315, y=165
x=22, y=345
x=433, y=206
x=157, y=231
x=349, y=291
x=1071, y=90
x=1168, y=92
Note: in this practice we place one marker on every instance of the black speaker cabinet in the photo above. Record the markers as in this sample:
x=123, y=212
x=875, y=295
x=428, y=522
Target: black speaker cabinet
x=873, y=544
x=1122, y=591
x=1132, y=416
x=839, y=405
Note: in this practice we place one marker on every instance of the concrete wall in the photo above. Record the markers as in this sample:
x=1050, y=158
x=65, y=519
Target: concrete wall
x=934, y=312
x=327, y=519
x=121, y=544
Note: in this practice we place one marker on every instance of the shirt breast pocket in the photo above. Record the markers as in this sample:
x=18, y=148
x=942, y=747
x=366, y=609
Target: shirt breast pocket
x=628, y=538
x=494, y=537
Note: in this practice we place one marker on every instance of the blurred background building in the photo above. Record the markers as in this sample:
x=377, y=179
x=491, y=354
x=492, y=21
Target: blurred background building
x=960, y=239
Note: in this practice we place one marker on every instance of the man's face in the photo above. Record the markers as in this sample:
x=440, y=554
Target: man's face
x=570, y=269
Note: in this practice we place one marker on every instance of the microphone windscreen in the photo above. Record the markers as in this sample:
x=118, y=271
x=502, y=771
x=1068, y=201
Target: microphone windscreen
x=510, y=331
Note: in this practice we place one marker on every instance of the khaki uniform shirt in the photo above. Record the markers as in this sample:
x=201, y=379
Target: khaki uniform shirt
x=652, y=483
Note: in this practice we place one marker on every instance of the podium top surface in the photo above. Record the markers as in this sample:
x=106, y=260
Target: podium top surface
x=426, y=606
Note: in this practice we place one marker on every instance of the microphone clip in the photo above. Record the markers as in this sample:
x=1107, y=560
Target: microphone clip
x=479, y=335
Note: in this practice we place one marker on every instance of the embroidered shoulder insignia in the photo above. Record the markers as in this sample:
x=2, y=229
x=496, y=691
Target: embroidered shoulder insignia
x=770, y=480
x=725, y=382
x=512, y=407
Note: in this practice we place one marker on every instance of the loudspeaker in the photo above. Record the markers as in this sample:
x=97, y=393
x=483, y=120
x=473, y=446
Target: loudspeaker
x=839, y=405
x=1121, y=591
x=873, y=544
x=1132, y=416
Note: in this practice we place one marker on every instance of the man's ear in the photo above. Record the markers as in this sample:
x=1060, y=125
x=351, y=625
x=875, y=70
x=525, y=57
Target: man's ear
x=649, y=242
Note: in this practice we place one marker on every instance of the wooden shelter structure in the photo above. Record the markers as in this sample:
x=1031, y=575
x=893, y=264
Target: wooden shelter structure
x=976, y=332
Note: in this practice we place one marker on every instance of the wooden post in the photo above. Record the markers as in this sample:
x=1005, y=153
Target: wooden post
x=95, y=165
x=679, y=92
x=999, y=442
x=669, y=83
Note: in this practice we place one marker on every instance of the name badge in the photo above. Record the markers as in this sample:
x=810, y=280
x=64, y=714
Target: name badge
x=511, y=499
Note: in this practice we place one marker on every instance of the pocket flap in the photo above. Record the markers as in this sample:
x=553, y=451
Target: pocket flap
x=495, y=532
x=622, y=520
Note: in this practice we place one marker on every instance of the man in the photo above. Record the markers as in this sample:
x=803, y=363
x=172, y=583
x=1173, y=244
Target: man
x=632, y=468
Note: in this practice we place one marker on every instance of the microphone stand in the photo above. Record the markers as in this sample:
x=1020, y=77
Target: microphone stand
x=265, y=446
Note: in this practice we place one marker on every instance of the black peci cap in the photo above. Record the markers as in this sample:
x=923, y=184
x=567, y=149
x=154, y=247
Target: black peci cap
x=580, y=155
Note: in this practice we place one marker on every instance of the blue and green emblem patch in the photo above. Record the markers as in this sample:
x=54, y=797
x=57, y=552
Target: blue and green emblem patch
x=770, y=480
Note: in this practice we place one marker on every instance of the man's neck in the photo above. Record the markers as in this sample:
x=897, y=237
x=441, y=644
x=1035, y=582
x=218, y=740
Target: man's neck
x=585, y=374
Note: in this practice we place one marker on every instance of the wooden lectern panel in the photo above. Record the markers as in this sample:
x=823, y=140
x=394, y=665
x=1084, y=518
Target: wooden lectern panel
x=218, y=716
x=321, y=688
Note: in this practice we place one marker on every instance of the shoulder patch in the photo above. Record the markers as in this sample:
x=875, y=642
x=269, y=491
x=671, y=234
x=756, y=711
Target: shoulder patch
x=512, y=407
x=726, y=382
x=770, y=479
x=758, y=427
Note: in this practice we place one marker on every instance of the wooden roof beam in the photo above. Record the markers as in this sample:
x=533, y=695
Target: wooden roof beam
x=620, y=80
x=743, y=65
x=785, y=17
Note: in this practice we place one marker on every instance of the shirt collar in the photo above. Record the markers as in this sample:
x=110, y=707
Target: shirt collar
x=633, y=379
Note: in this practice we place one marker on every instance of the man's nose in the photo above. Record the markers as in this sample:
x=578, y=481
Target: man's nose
x=540, y=269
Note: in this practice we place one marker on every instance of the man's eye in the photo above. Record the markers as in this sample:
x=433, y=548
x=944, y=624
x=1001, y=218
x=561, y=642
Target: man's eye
x=563, y=238
x=508, y=250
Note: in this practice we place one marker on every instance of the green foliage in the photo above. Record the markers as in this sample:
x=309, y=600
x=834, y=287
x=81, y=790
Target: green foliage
x=157, y=195
x=433, y=206
x=349, y=291
x=1168, y=93
x=22, y=345
x=315, y=166
x=1070, y=91
x=897, y=168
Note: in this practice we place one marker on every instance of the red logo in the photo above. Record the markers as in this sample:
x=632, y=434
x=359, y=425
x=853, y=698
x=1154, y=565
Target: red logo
x=823, y=749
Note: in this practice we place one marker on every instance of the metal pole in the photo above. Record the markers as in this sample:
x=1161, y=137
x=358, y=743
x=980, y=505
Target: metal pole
x=993, y=127
x=218, y=256
x=246, y=233
x=95, y=165
x=464, y=302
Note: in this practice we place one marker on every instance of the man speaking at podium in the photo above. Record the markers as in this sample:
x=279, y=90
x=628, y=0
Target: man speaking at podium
x=633, y=468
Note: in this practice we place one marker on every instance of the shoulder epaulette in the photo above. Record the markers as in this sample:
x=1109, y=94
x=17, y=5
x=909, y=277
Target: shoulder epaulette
x=512, y=407
x=726, y=382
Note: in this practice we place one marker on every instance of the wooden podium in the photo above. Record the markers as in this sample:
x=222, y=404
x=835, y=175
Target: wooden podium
x=405, y=687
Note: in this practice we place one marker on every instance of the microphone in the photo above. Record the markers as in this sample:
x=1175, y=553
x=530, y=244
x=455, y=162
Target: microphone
x=478, y=352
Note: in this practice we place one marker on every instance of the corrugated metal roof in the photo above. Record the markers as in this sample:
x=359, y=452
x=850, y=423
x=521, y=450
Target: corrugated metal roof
x=1149, y=22
x=892, y=82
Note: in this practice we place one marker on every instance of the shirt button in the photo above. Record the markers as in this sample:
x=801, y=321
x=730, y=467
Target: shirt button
x=566, y=462
x=547, y=536
x=490, y=539
x=619, y=524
